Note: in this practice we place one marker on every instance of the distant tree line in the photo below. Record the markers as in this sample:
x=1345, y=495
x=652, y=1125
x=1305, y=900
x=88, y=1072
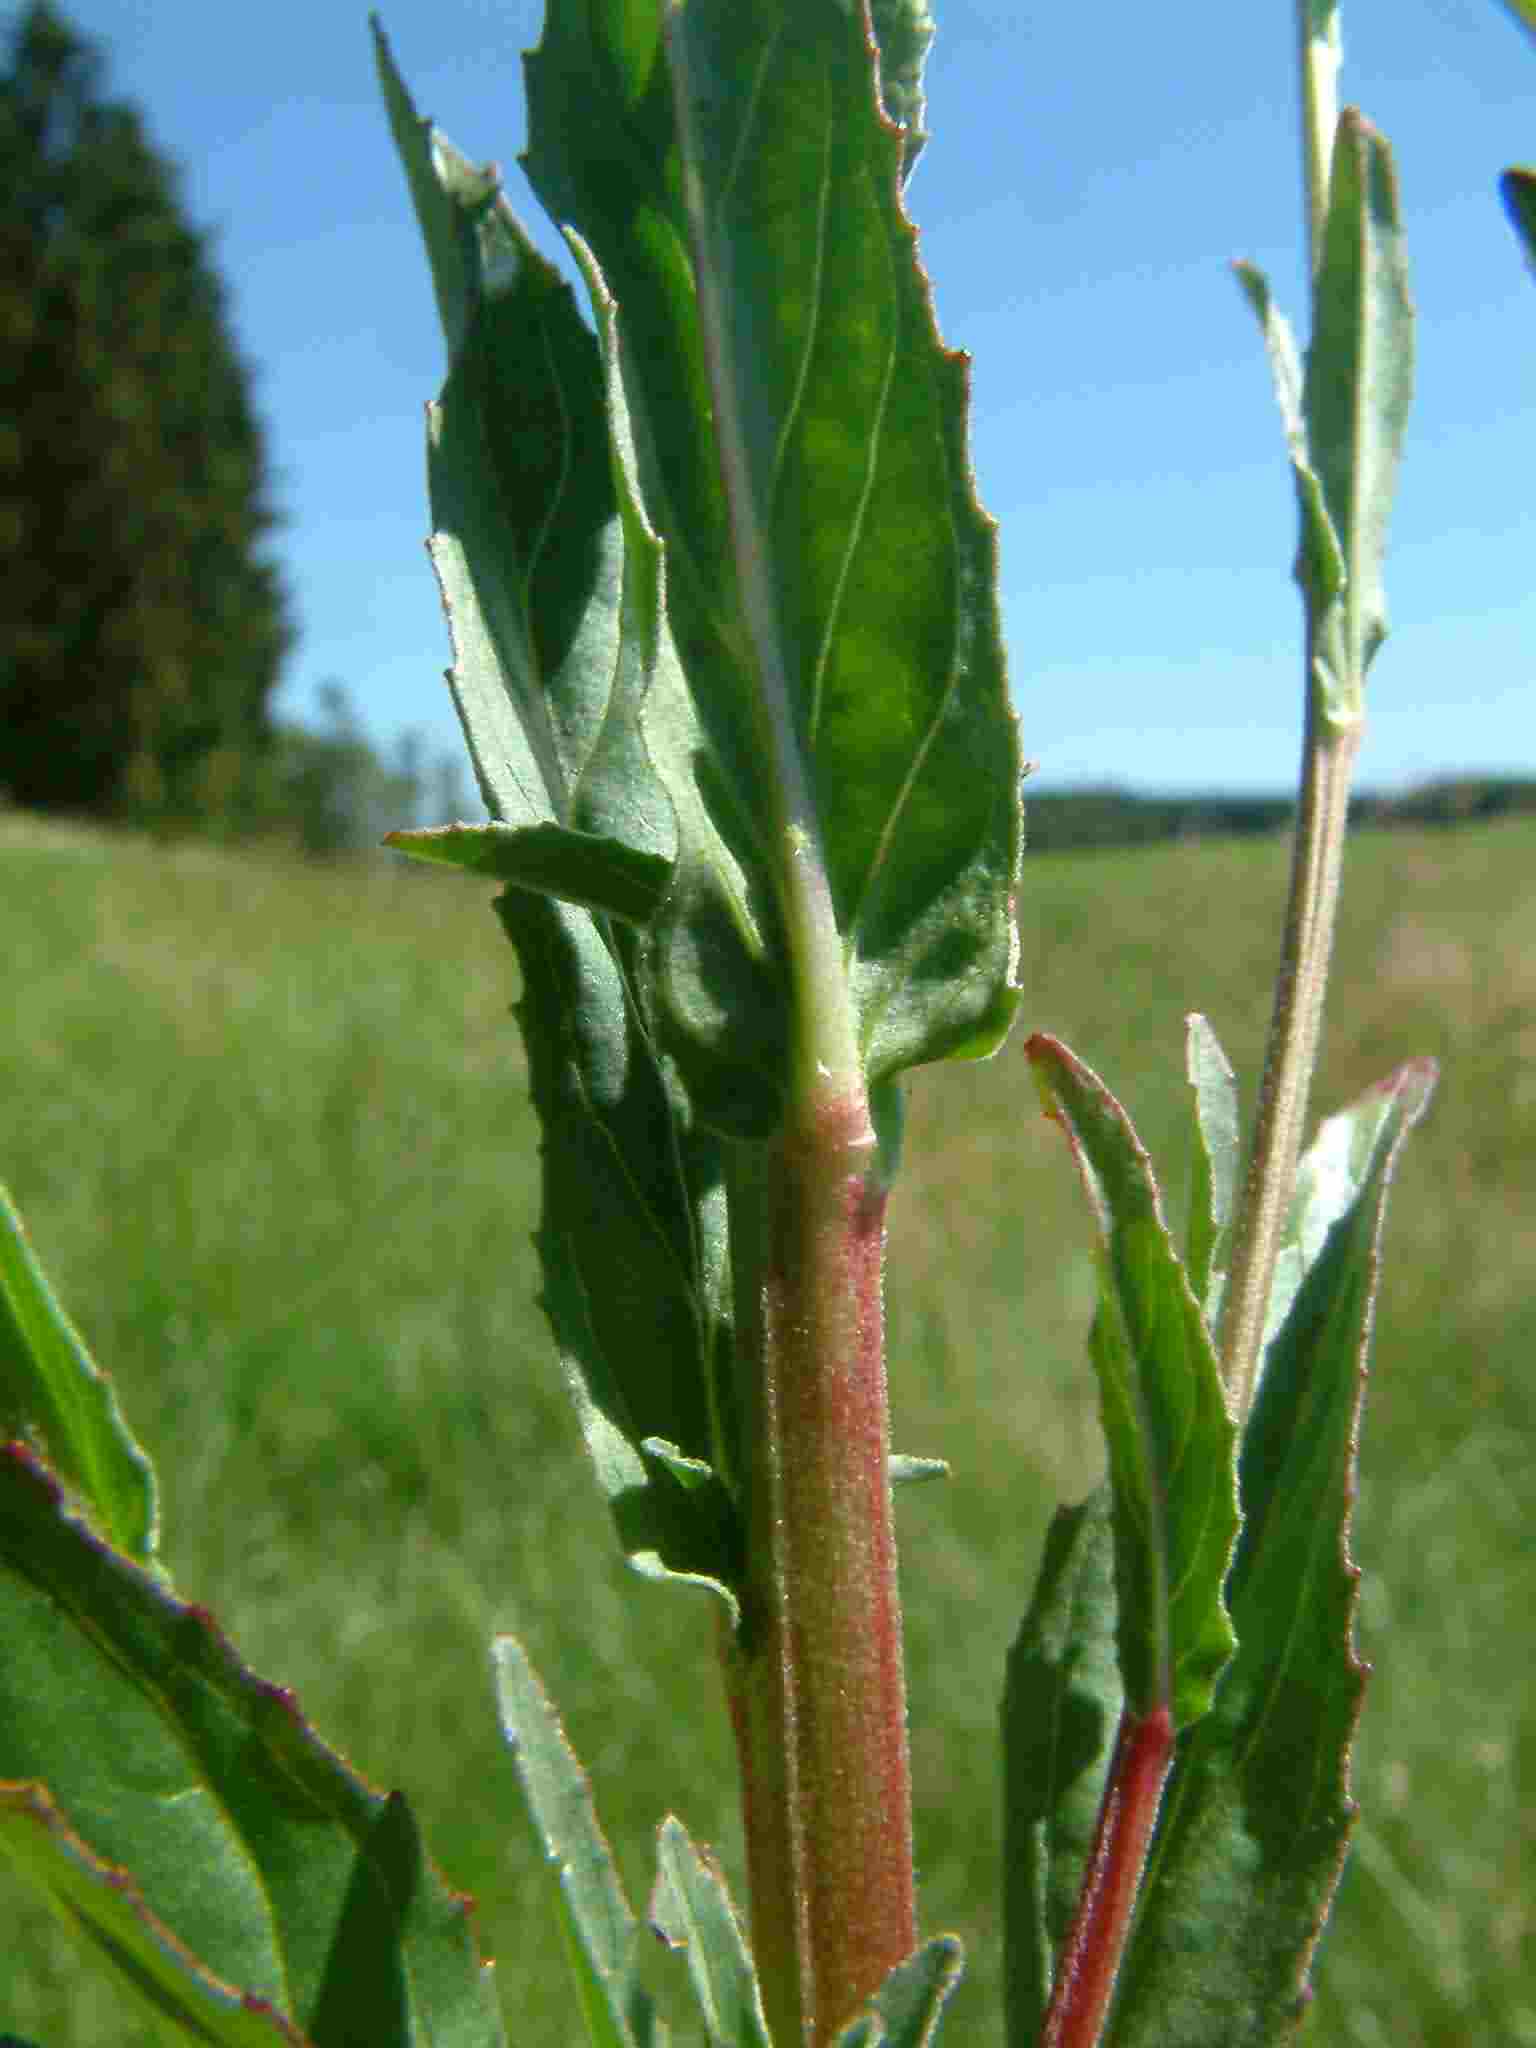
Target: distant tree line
x=144, y=624
x=1062, y=820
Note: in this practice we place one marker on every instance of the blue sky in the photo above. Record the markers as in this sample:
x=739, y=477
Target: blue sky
x=1091, y=175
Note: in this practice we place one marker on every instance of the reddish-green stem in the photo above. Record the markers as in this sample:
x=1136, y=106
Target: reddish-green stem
x=816, y=1683
x=1091, y=1954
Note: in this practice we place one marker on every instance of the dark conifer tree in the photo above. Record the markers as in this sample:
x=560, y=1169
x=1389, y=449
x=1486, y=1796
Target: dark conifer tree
x=144, y=623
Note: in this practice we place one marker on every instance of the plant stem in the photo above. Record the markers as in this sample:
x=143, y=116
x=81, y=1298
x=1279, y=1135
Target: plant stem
x=817, y=1690
x=815, y=1679
x=1319, y=55
x=1090, y=1957
x=1328, y=756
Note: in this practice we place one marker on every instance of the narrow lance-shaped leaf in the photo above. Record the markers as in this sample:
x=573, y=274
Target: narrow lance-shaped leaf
x=1358, y=385
x=602, y=1934
x=184, y=1819
x=598, y=874
x=1345, y=418
x=55, y=1397
x=1320, y=565
x=1216, y=1160
x=1169, y=1436
x=692, y=1910
x=1258, y=1812
x=556, y=618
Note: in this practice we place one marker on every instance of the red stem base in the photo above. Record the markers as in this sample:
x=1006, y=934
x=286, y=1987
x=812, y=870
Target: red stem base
x=1090, y=1958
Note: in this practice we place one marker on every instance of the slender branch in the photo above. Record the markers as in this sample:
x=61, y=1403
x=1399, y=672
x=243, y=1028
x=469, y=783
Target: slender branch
x=1319, y=56
x=817, y=1689
x=1328, y=756
x=1096, y=1941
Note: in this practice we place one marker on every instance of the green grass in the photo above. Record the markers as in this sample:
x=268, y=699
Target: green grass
x=267, y=1125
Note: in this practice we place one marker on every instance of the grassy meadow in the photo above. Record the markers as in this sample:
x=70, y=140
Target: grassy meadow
x=268, y=1128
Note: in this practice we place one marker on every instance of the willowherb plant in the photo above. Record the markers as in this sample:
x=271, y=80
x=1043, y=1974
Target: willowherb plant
x=727, y=655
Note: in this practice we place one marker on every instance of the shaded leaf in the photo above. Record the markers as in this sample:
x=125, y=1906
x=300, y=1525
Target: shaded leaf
x=632, y=1244
x=907, y=2010
x=737, y=1066
x=1061, y=1710
x=1258, y=1812
x=249, y=1865
x=528, y=541
x=554, y=598
x=55, y=1397
x=1169, y=1436
x=577, y=867
x=453, y=199
x=603, y=1936
x=692, y=1910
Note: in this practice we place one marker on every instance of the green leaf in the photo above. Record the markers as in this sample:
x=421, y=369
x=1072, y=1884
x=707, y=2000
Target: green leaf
x=907, y=2010
x=1216, y=1161
x=906, y=1471
x=1358, y=385
x=632, y=1243
x=1258, y=1814
x=528, y=542
x=454, y=201
x=736, y=1070
x=1061, y=1708
x=577, y=867
x=1169, y=1436
x=184, y=1819
x=1524, y=12
x=1345, y=415
x=602, y=1935
x=799, y=443
x=1320, y=565
x=554, y=600
x=55, y=1397
x=1519, y=190
x=105, y=1911
x=692, y=1910
x=1328, y=1180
